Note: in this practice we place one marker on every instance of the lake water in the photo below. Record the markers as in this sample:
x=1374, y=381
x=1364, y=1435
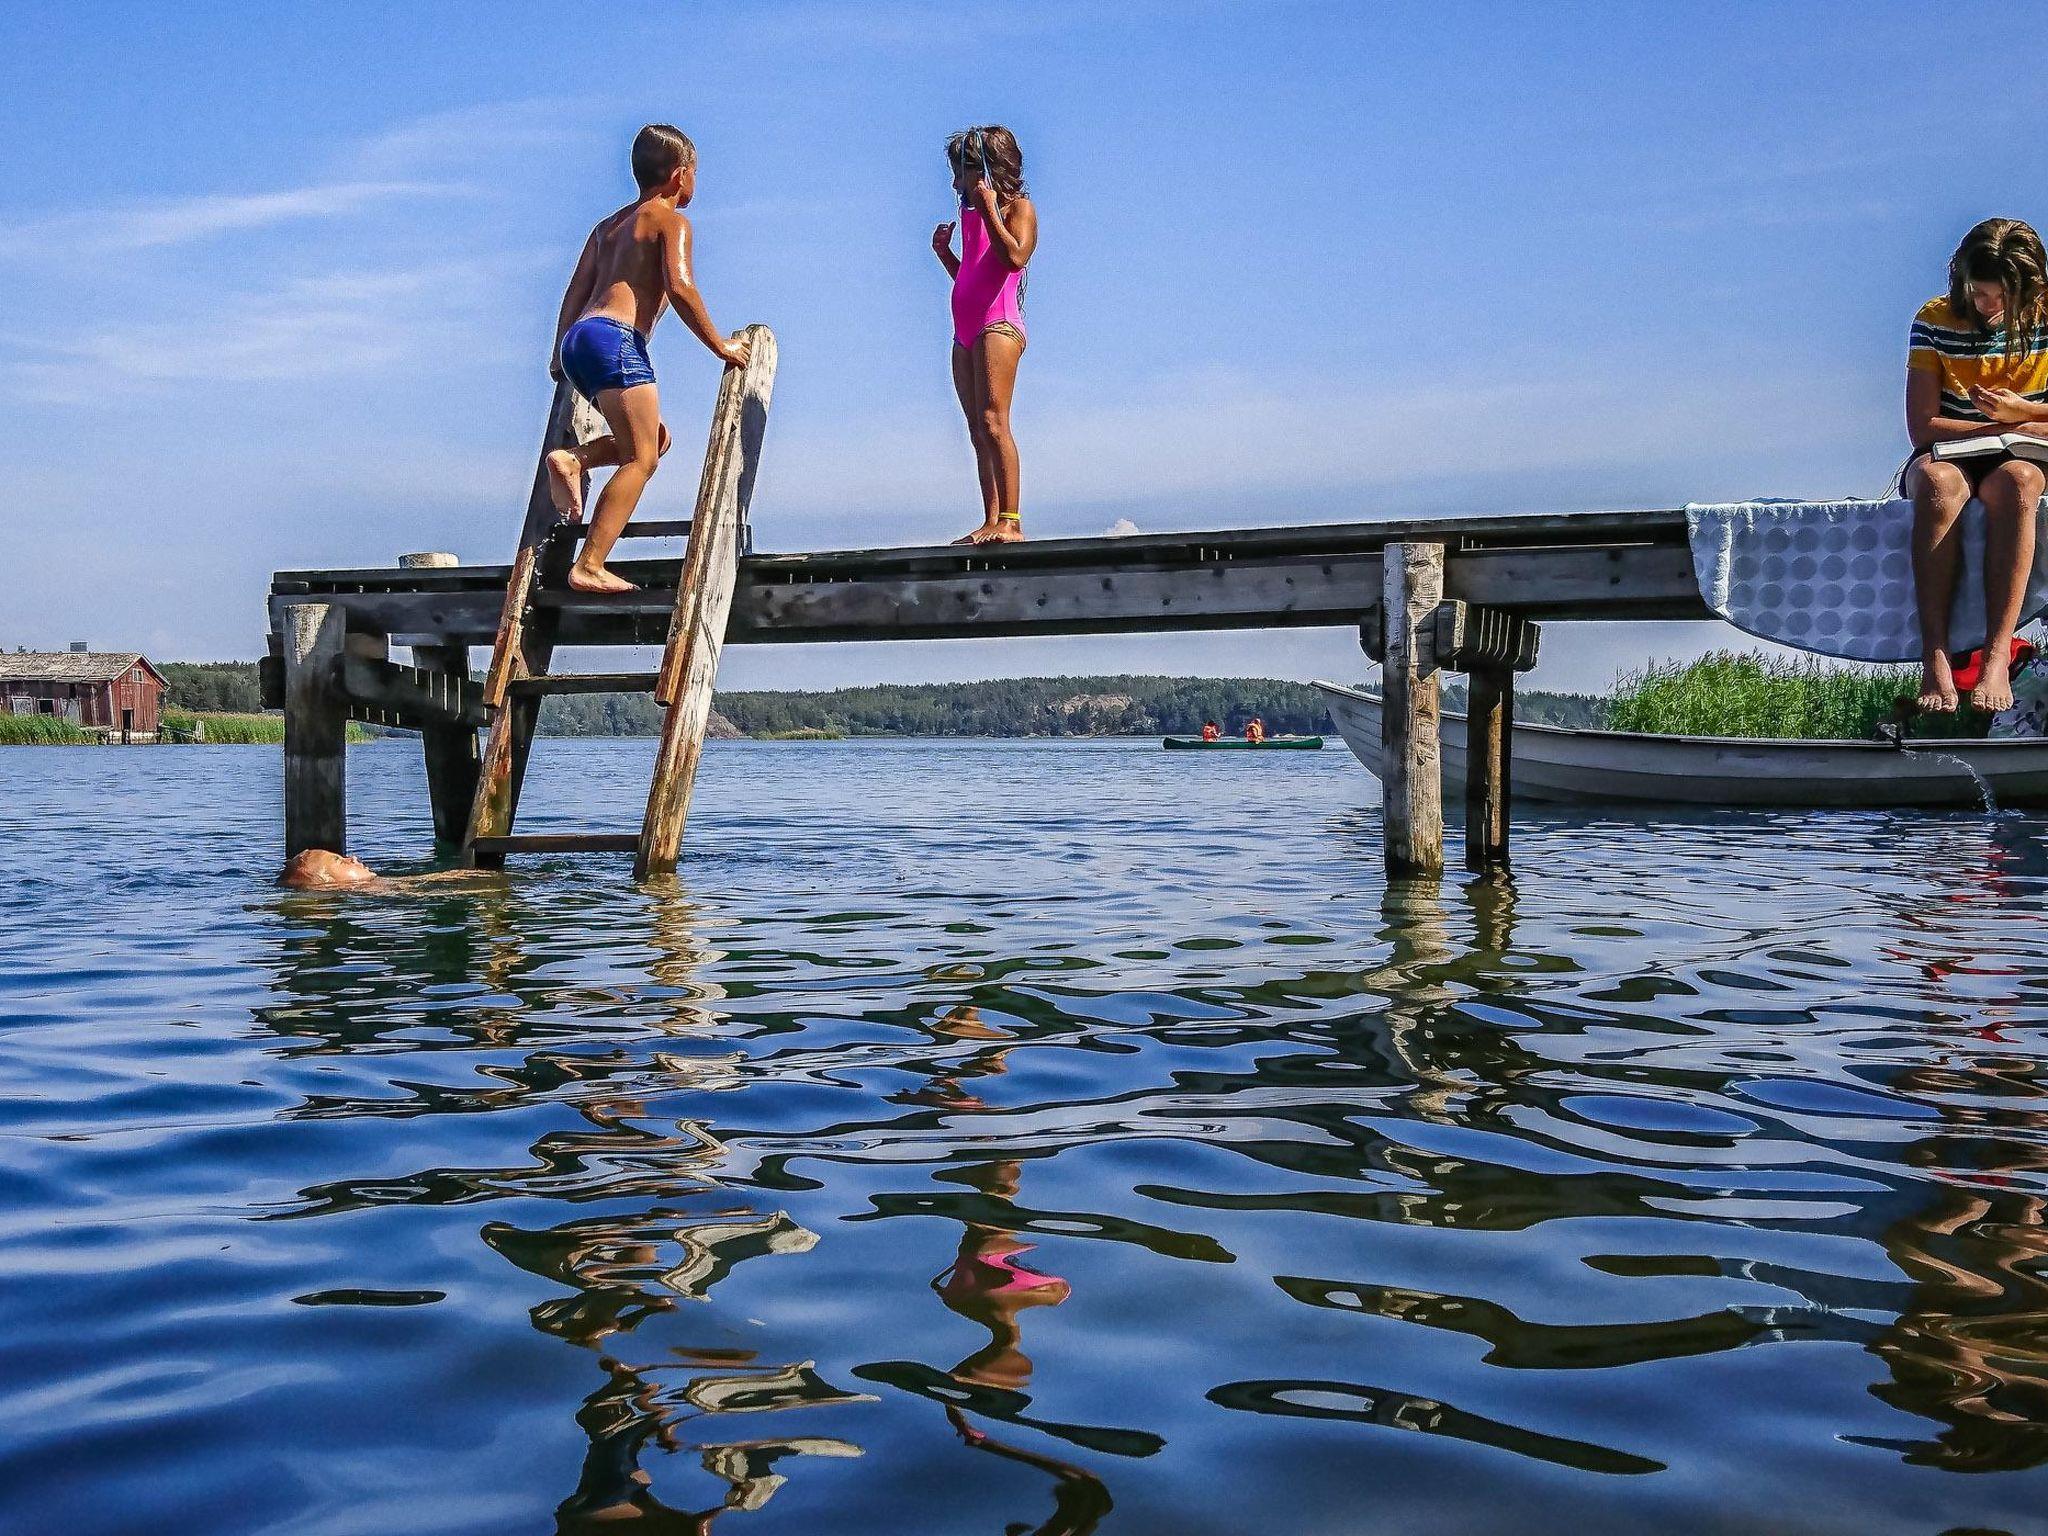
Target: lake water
x=1037, y=1136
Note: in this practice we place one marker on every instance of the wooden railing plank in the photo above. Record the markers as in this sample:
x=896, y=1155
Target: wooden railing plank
x=525, y=639
x=689, y=664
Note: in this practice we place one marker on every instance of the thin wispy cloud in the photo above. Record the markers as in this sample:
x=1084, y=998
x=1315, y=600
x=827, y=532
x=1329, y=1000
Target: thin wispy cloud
x=437, y=156
x=183, y=221
x=310, y=327
x=460, y=142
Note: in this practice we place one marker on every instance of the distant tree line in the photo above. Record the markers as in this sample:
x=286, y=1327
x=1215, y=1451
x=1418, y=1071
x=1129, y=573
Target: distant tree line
x=212, y=686
x=1018, y=706
x=600, y=714
x=1034, y=706
x=1580, y=711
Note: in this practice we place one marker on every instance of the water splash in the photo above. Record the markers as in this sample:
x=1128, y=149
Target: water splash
x=1983, y=784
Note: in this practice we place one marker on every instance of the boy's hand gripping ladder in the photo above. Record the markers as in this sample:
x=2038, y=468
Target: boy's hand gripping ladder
x=538, y=592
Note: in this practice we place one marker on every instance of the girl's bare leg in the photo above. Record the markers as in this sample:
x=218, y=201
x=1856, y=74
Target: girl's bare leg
x=995, y=356
x=966, y=387
x=568, y=466
x=634, y=415
x=1940, y=492
x=2011, y=494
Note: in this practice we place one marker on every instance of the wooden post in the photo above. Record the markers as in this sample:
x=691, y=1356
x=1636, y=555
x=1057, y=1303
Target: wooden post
x=1412, y=576
x=450, y=750
x=1489, y=645
x=1489, y=734
x=689, y=666
x=315, y=729
x=453, y=762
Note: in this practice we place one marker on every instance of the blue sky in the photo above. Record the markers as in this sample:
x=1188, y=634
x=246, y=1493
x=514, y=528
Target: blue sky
x=279, y=282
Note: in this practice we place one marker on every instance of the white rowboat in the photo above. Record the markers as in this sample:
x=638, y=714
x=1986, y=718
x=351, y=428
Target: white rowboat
x=1608, y=767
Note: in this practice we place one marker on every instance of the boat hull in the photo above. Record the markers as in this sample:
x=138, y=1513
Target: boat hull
x=1239, y=744
x=1618, y=767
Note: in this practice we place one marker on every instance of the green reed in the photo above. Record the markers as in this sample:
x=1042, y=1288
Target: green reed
x=1732, y=693
x=233, y=730
x=40, y=731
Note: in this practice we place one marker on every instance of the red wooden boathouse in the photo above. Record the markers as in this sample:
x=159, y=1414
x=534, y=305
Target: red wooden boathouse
x=117, y=692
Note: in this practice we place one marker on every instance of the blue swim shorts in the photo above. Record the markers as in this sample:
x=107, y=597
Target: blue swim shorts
x=601, y=353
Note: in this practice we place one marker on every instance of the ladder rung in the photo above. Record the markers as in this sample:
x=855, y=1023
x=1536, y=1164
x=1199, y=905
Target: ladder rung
x=560, y=842
x=586, y=682
x=653, y=529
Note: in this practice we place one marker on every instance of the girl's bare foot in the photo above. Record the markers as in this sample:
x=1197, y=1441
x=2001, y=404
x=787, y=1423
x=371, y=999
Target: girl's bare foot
x=1008, y=530
x=1994, y=685
x=979, y=536
x=565, y=484
x=599, y=580
x=1937, y=685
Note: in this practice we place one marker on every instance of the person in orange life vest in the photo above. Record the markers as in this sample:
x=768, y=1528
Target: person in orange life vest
x=1211, y=731
x=1256, y=731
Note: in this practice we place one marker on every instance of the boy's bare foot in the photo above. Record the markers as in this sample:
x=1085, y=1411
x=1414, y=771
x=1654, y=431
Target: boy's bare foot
x=1994, y=686
x=565, y=484
x=1937, y=685
x=599, y=580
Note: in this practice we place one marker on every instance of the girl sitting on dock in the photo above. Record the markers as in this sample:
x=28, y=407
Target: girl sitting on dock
x=998, y=233
x=1978, y=364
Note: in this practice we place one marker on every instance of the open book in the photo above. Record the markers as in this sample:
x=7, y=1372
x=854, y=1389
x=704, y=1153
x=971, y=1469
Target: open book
x=2019, y=444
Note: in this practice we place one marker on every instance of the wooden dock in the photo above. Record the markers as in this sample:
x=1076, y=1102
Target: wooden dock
x=1458, y=594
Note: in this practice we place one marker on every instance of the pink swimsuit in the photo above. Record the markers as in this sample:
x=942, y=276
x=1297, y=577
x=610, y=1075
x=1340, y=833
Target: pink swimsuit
x=985, y=291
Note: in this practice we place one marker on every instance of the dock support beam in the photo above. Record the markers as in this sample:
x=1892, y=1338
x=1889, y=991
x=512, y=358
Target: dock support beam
x=1489, y=728
x=453, y=761
x=315, y=729
x=1489, y=646
x=1412, y=577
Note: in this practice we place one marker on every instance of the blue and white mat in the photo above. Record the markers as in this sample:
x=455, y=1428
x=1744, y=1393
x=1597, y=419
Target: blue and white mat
x=1836, y=577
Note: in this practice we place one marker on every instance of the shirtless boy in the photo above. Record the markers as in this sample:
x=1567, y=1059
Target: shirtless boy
x=635, y=263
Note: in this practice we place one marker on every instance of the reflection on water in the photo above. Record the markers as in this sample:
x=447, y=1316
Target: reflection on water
x=1107, y=1165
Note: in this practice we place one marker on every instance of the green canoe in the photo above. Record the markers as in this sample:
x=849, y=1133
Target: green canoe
x=1239, y=744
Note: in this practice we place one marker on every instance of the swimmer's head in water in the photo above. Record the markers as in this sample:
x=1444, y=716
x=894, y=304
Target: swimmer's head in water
x=318, y=870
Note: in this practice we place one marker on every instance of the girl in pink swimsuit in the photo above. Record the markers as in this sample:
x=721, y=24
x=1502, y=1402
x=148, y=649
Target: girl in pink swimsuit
x=998, y=233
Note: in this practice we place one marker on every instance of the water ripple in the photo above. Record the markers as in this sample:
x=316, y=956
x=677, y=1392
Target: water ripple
x=1132, y=1158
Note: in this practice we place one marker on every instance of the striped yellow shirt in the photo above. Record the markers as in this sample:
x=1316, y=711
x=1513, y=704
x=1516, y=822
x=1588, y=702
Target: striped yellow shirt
x=1961, y=355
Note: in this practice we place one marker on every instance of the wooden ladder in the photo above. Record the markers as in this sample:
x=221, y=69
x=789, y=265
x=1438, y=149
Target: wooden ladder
x=538, y=594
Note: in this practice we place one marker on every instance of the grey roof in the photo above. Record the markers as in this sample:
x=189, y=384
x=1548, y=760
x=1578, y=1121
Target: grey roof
x=68, y=666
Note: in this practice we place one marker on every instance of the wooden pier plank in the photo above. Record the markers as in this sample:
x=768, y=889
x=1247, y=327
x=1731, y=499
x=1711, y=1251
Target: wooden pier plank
x=418, y=696
x=585, y=682
x=1459, y=533
x=778, y=601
